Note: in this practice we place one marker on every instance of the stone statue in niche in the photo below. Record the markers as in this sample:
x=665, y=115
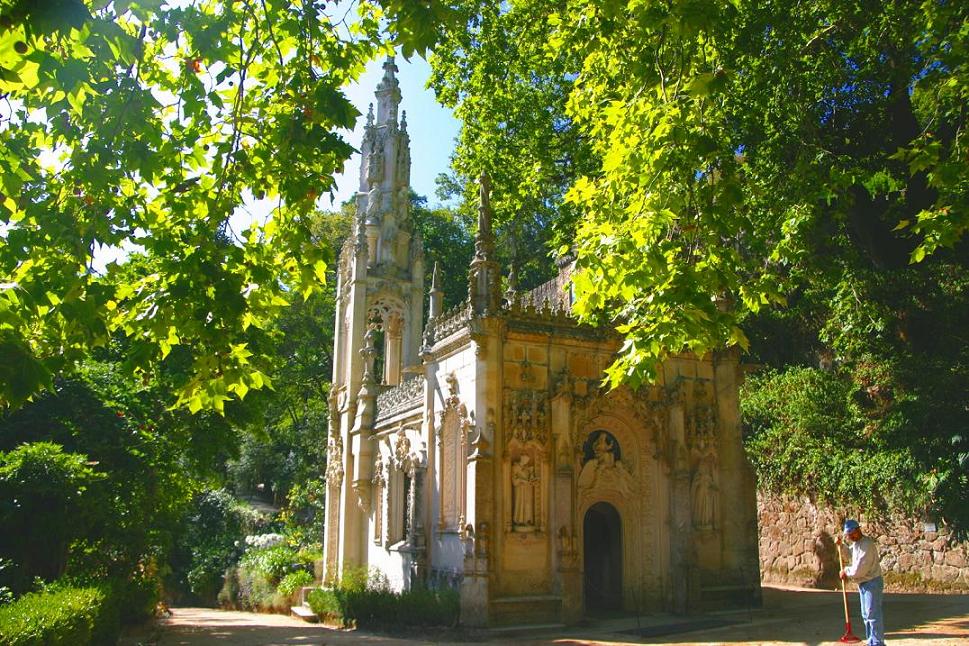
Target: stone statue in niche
x=524, y=482
x=388, y=235
x=601, y=448
x=604, y=450
x=704, y=490
x=602, y=463
x=375, y=164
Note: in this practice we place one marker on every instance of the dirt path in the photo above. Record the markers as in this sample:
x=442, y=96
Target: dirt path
x=790, y=616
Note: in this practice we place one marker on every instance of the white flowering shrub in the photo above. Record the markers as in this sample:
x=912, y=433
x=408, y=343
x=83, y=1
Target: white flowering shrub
x=262, y=541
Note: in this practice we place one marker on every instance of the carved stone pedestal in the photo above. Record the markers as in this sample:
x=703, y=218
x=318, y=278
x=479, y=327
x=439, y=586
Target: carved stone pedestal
x=571, y=595
x=474, y=600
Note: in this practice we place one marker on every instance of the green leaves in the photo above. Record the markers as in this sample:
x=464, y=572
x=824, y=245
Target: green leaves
x=138, y=130
x=716, y=152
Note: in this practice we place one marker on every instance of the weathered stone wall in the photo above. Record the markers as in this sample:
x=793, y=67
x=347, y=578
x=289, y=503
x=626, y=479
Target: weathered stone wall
x=797, y=547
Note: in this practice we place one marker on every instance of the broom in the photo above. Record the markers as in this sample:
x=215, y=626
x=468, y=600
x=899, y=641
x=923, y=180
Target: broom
x=848, y=637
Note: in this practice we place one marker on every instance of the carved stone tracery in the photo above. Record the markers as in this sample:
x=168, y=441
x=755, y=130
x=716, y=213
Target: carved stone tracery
x=334, y=461
x=453, y=430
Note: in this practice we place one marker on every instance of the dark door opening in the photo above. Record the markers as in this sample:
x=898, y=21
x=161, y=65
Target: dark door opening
x=602, y=553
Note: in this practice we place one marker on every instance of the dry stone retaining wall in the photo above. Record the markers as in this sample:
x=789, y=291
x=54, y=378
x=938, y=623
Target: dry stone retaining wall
x=797, y=547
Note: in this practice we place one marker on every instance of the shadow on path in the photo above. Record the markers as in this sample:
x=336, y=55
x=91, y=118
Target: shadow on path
x=789, y=616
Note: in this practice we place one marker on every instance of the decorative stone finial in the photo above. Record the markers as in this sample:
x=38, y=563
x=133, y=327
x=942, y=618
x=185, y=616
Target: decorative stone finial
x=484, y=279
x=437, y=294
x=403, y=121
x=370, y=116
x=369, y=354
x=388, y=95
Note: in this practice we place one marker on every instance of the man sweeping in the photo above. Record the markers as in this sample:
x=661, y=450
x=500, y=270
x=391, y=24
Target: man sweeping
x=866, y=571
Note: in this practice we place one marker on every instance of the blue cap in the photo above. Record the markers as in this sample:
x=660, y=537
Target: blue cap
x=850, y=526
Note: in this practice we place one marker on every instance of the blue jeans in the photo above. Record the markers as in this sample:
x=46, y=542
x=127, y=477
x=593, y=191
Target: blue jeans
x=871, y=610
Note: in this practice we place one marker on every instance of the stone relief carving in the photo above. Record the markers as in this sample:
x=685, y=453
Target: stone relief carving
x=334, y=461
x=526, y=417
x=452, y=320
x=406, y=396
x=702, y=421
x=481, y=444
x=526, y=411
x=412, y=464
x=384, y=311
x=363, y=491
x=475, y=548
x=602, y=466
x=564, y=383
x=567, y=542
x=402, y=452
x=380, y=500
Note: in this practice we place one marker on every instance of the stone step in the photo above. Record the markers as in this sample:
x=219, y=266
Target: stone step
x=525, y=628
x=526, y=610
x=304, y=613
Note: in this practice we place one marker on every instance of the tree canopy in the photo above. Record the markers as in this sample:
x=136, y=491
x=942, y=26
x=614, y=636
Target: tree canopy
x=713, y=148
x=147, y=126
x=790, y=178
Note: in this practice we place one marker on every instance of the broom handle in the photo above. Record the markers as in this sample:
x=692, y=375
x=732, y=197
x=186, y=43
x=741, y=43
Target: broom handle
x=844, y=592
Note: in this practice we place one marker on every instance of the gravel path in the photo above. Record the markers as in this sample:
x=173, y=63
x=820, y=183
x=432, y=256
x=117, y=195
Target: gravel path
x=790, y=616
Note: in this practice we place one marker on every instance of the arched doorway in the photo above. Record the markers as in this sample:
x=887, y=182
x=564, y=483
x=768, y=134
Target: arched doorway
x=602, y=554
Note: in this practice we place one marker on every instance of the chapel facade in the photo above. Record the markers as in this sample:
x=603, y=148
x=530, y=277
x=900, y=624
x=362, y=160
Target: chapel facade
x=480, y=450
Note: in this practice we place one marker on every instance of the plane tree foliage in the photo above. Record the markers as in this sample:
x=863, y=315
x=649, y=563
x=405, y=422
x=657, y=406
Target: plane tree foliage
x=715, y=145
x=146, y=126
x=789, y=178
x=509, y=91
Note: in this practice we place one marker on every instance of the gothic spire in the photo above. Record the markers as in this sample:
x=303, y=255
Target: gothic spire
x=388, y=95
x=484, y=277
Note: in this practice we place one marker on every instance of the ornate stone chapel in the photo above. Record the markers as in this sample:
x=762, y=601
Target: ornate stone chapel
x=480, y=450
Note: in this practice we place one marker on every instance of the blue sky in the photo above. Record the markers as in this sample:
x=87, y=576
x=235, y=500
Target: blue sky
x=432, y=129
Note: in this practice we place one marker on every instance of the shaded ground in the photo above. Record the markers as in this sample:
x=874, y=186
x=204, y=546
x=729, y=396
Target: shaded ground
x=789, y=616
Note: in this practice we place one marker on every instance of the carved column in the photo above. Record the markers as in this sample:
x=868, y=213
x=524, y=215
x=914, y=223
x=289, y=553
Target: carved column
x=393, y=329
x=685, y=582
x=569, y=573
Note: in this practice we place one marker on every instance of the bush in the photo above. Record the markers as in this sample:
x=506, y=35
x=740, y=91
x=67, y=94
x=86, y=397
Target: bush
x=276, y=562
x=294, y=582
x=62, y=615
x=365, y=600
x=256, y=583
x=250, y=589
x=137, y=597
x=47, y=504
x=211, y=542
x=326, y=604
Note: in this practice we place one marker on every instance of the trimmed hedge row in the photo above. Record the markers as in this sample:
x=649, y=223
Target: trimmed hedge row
x=65, y=616
x=382, y=608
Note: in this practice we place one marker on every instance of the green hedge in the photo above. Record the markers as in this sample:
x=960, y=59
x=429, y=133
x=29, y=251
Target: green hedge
x=382, y=608
x=64, y=616
x=807, y=434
